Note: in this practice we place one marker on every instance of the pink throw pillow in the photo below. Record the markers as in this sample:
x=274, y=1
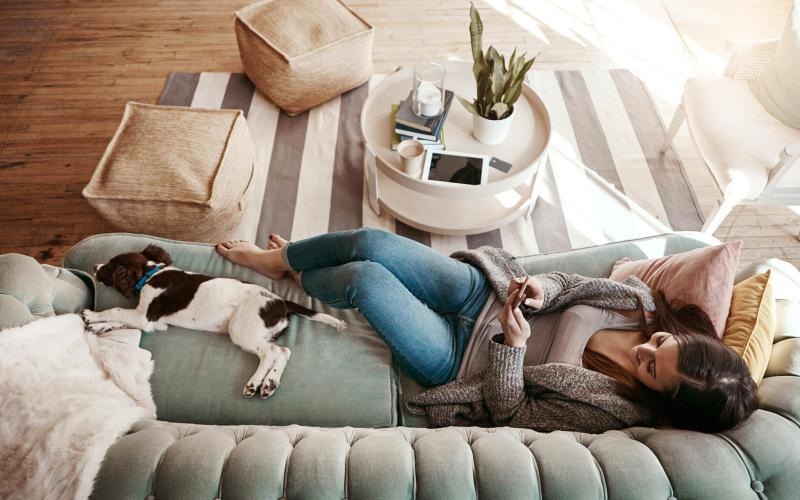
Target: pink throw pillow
x=703, y=277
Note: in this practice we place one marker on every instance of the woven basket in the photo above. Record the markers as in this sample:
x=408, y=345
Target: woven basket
x=180, y=173
x=301, y=53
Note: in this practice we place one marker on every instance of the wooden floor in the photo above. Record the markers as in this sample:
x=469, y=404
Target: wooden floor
x=68, y=67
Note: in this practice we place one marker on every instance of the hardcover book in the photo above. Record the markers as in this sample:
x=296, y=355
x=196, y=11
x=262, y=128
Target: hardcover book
x=416, y=134
x=407, y=117
x=438, y=144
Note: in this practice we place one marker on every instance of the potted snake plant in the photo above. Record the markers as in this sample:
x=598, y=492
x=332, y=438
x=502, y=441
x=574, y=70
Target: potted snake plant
x=498, y=86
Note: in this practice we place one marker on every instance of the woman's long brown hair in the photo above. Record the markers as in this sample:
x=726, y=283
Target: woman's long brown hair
x=687, y=319
x=715, y=390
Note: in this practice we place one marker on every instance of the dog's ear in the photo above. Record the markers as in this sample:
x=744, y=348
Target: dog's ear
x=157, y=254
x=124, y=280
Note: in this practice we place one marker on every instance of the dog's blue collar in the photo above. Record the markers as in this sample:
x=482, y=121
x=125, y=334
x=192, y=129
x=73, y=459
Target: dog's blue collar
x=144, y=279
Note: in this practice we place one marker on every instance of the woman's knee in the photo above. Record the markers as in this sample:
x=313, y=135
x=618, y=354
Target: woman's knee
x=367, y=243
x=365, y=280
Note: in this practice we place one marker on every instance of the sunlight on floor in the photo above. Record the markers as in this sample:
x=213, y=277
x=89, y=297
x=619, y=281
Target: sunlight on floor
x=530, y=15
x=644, y=41
x=599, y=195
x=663, y=42
x=508, y=199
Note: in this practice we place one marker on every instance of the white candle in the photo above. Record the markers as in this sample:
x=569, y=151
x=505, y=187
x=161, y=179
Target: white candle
x=429, y=99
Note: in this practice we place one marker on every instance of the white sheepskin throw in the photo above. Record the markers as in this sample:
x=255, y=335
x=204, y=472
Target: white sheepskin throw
x=65, y=397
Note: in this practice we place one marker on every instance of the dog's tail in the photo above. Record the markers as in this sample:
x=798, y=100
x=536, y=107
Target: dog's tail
x=315, y=316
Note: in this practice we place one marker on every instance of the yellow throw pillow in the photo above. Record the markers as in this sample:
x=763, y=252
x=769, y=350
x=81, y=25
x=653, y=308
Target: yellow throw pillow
x=750, y=328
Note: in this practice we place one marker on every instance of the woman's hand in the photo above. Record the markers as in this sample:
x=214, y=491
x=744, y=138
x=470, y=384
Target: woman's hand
x=516, y=329
x=527, y=290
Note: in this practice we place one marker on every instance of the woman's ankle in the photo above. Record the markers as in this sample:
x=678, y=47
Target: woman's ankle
x=271, y=261
x=284, y=256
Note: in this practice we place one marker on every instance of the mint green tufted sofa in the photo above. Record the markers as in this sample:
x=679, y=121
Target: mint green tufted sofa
x=336, y=428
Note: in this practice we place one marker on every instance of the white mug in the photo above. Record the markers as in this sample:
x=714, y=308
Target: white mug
x=412, y=156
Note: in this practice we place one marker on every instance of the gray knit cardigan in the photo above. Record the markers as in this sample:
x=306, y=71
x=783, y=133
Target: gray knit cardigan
x=552, y=396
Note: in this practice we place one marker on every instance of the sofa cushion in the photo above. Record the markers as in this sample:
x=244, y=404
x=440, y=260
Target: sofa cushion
x=751, y=324
x=784, y=358
x=785, y=283
x=703, y=277
x=332, y=379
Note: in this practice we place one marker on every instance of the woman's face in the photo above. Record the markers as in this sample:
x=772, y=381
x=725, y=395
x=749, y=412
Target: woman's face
x=655, y=362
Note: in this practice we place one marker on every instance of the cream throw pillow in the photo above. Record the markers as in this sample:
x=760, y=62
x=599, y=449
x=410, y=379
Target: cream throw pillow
x=785, y=358
x=750, y=328
x=777, y=88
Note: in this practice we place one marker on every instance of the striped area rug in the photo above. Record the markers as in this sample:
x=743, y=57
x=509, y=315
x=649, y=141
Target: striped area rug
x=605, y=179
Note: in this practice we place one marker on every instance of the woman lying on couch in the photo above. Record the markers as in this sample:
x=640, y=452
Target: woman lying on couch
x=546, y=352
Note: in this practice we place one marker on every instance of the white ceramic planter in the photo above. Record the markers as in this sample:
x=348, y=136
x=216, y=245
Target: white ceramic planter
x=491, y=131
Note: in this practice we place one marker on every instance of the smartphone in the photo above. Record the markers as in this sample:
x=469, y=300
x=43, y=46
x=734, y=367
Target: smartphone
x=521, y=293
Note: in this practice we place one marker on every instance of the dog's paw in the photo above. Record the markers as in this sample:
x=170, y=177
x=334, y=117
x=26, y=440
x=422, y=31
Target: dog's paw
x=342, y=325
x=155, y=327
x=88, y=316
x=101, y=328
x=250, y=390
x=268, y=388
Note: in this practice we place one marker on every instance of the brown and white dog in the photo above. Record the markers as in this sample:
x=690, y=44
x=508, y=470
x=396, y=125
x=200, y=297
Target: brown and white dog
x=252, y=316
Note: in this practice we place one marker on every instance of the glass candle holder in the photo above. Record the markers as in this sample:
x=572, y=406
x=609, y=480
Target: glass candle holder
x=428, y=94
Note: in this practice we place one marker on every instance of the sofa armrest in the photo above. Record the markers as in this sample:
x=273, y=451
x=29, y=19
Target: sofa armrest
x=29, y=290
x=781, y=395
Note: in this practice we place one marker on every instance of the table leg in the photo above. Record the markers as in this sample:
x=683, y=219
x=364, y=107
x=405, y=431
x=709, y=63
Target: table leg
x=529, y=210
x=371, y=178
x=535, y=186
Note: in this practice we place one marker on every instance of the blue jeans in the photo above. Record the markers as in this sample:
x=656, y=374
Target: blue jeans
x=424, y=304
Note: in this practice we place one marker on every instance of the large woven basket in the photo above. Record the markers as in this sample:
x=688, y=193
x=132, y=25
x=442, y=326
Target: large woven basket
x=301, y=53
x=180, y=173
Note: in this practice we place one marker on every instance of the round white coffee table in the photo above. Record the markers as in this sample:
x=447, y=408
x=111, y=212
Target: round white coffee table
x=454, y=208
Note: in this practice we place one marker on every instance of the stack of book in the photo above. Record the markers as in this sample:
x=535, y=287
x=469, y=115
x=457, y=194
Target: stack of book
x=429, y=131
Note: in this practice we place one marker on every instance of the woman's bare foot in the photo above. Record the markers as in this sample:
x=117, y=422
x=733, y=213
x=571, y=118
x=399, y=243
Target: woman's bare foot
x=276, y=242
x=267, y=262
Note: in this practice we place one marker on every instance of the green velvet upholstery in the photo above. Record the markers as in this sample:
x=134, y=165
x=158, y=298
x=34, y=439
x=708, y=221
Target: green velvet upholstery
x=178, y=461
x=29, y=290
x=332, y=379
x=160, y=459
x=598, y=261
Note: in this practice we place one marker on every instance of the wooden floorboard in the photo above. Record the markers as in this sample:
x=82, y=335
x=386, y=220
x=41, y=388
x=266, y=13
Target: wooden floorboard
x=68, y=67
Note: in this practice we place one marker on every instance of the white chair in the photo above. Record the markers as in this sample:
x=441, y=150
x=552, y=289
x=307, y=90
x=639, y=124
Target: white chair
x=749, y=152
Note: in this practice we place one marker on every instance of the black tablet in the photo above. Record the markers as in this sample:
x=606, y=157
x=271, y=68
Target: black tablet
x=458, y=168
